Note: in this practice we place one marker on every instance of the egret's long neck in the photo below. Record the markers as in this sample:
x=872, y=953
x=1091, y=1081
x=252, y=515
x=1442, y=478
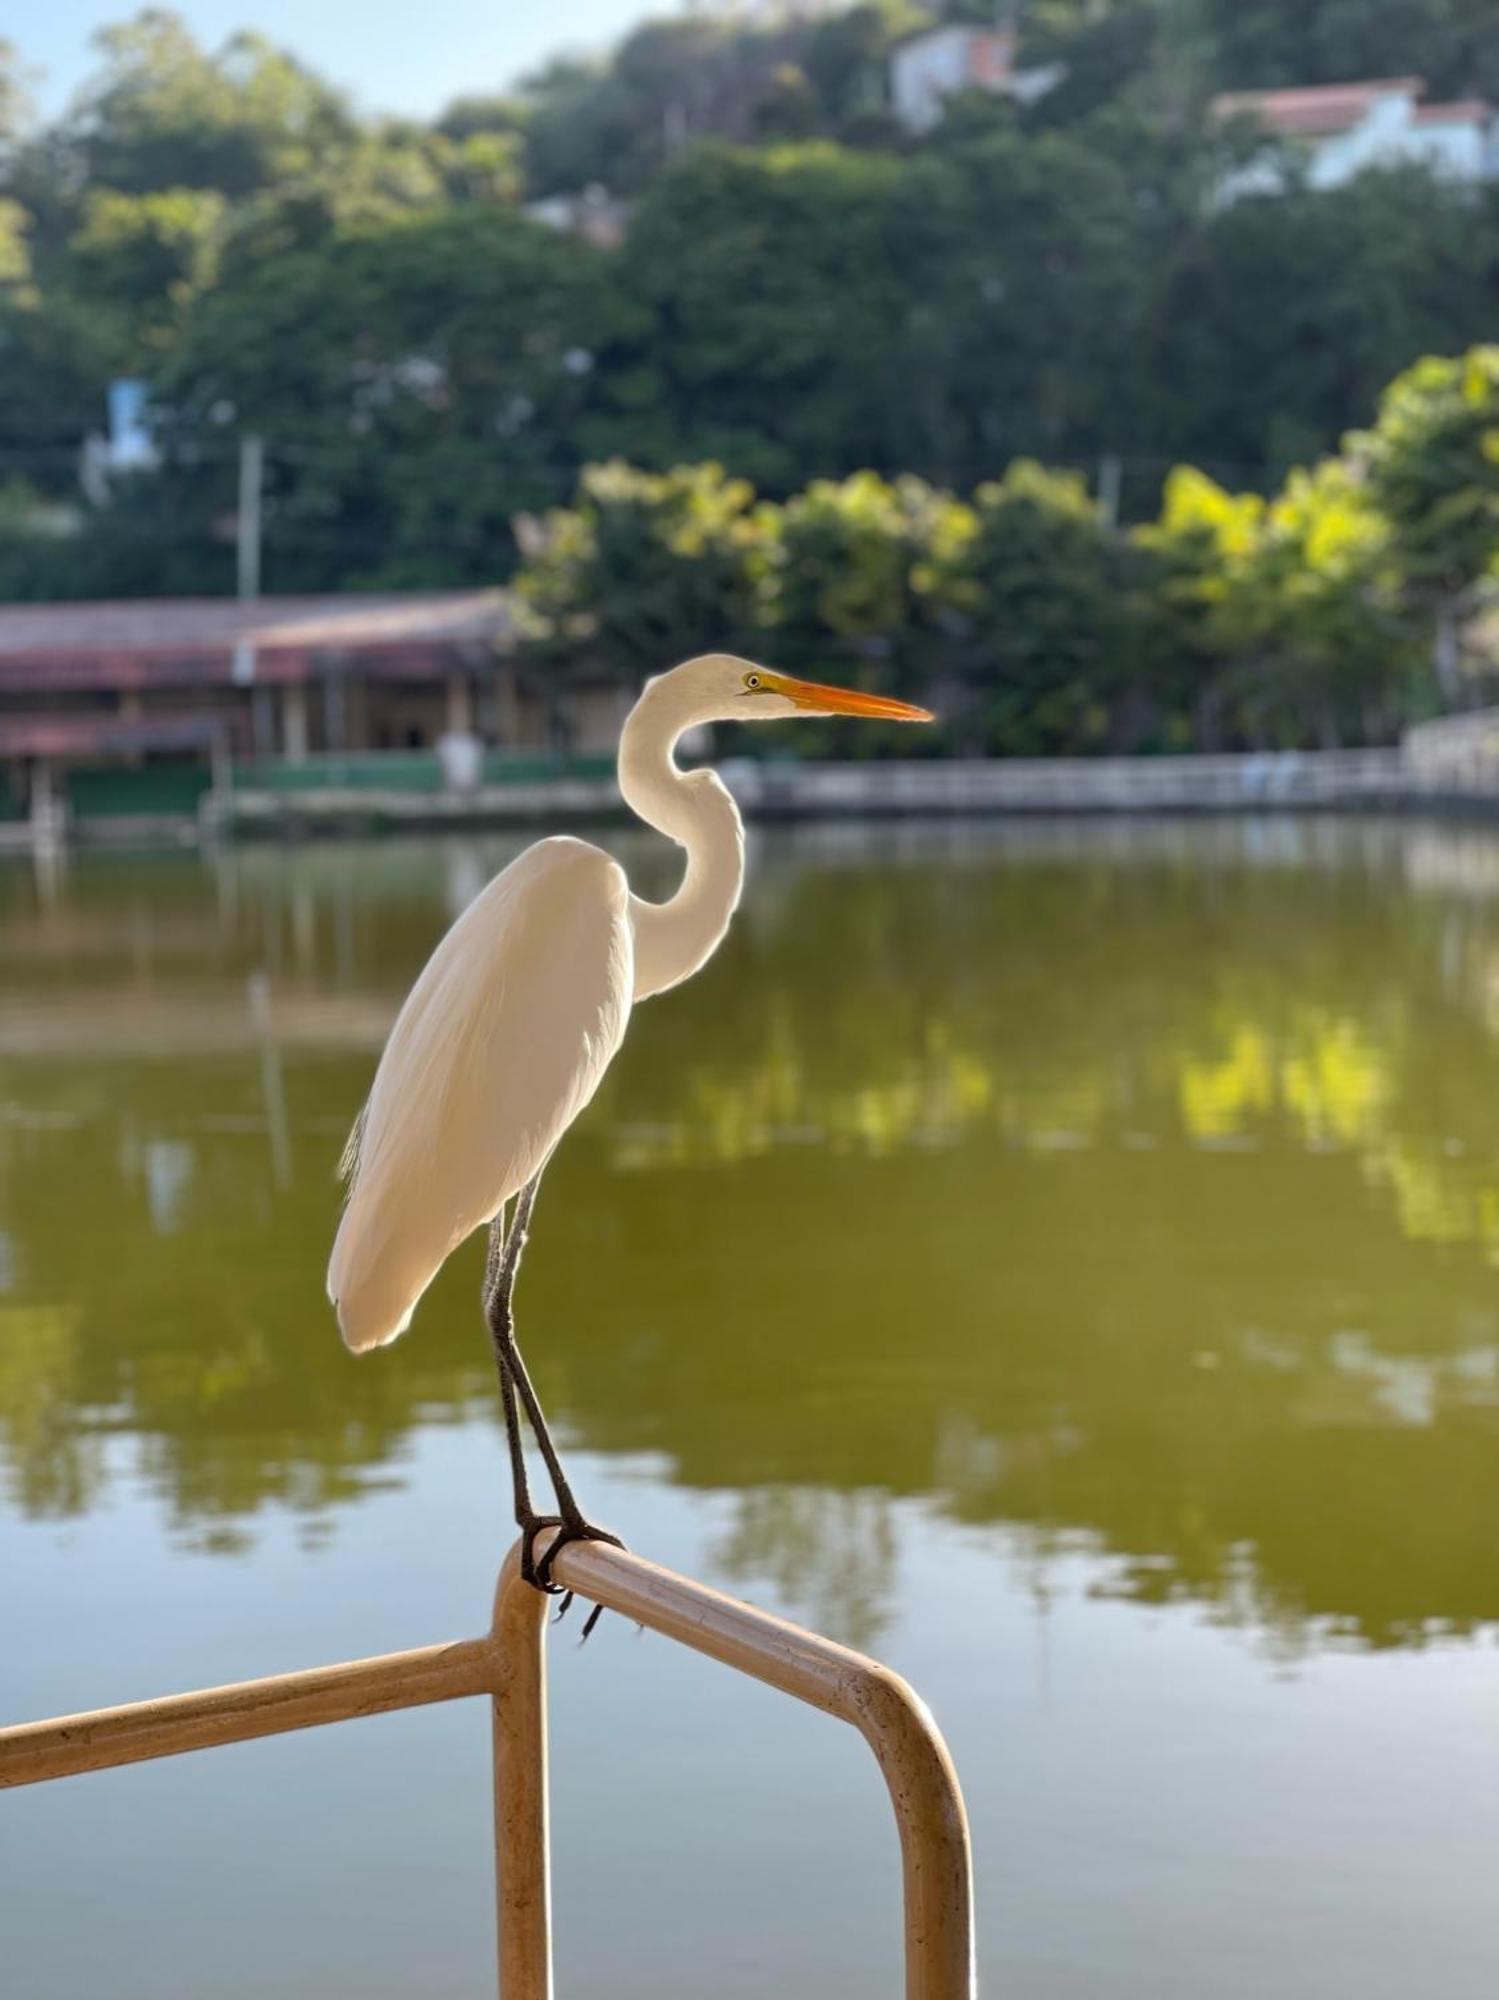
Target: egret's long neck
x=694, y=809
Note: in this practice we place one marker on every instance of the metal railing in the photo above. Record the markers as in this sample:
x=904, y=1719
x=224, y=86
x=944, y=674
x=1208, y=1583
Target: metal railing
x=509, y=1665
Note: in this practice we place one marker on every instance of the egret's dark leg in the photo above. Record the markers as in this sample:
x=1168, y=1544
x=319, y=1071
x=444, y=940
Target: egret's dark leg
x=520, y=1483
x=499, y=1276
x=515, y=1382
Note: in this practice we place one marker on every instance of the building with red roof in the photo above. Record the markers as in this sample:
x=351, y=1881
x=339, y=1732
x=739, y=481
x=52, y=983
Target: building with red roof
x=153, y=699
x=1338, y=130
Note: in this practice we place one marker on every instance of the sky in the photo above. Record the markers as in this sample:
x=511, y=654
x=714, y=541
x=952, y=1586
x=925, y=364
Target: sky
x=409, y=58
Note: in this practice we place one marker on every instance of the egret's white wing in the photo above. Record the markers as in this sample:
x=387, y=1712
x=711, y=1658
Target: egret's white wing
x=501, y=1043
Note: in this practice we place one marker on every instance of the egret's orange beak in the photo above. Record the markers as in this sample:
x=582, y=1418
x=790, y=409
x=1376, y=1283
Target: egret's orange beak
x=820, y=700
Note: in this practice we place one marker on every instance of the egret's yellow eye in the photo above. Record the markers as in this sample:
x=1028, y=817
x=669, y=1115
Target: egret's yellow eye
x=753, y=681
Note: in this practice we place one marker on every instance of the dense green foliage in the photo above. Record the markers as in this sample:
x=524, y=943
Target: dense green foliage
x=859, y=323
x=1033, y=623
x=805, y=291
x=1432, y=463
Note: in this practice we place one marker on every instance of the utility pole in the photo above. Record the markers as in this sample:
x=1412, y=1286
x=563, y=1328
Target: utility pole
x=247, y=568
x=247, y=537
x=1110, y=479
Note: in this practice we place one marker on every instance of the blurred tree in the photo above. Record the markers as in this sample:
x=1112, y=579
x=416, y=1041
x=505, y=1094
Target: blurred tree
x=1275, y=319
x=642, y=569
x=789, y=108
x=1449, y=42
x=1046, y=594
x=726, y=75
x=1028, y=278
x=163, y=113
x=389, y=174
x=845, y=55
x=849, y=576
x=669, y=81
x=770, y=289
x=1432, y=465
x=15, y=250
x=1102, y=52
x=1203, y=541
x=1327, y=656
x=482, y=166
x=418, y=381
x=126, y=199
x=146, y=540
x=848, y=563
x=132, y=270
x=816, y=308
x=469, y=116
x=16, y=108
x=48, y=395
x=1286, y=614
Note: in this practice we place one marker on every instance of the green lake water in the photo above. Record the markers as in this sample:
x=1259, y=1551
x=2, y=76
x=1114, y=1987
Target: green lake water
x=1060, y=1258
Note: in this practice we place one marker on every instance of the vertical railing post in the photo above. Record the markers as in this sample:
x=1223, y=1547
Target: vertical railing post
x=522, y=1869
x=936, y=1864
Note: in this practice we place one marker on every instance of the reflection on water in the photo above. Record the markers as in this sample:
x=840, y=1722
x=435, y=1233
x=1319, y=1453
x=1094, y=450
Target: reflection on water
x=1059, y=1256
x=1138, y=1182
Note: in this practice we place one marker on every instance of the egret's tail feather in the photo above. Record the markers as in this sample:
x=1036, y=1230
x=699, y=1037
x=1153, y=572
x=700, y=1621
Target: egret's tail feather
x=373, y=1297
x=363, y=1330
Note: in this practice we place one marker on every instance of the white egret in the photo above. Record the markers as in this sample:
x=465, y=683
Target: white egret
x=507, y=1033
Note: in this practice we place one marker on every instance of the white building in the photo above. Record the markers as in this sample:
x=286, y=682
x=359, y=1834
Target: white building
x=1460, y=139
x=930, y=68
x=1336, y=130
x=591, y=213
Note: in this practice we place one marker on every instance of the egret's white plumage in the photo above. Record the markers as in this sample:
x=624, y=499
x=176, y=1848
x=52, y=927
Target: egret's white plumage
x=501, y=1043
x=507, y=1033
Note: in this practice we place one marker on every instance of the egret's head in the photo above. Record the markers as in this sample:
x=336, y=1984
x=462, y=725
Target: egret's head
x=717, y=687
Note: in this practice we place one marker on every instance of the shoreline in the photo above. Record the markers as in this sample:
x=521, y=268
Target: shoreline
x=1384, y=781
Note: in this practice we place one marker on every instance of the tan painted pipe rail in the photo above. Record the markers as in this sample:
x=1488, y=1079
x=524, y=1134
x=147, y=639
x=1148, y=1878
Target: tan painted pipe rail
x=36, y=1751
x=510, y=1666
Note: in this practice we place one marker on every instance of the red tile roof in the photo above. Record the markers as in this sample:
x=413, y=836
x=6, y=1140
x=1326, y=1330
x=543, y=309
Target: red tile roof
x=1318, y=110
x=1462, y=111
x=216, y=641
x=213, y=624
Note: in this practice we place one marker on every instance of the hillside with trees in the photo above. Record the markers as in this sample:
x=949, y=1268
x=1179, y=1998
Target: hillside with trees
x=868, y=328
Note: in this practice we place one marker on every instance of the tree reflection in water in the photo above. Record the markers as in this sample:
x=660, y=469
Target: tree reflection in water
x=1138, y=1183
